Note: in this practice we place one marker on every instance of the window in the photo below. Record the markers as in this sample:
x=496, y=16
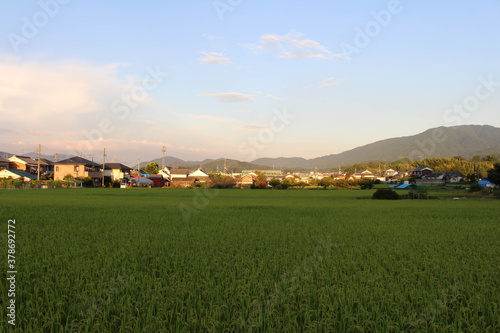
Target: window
x=57, y=168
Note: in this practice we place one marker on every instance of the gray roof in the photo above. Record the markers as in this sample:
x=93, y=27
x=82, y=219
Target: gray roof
x=31, y=161
x=421, y=168
x=4, y=160
x=21, y=173
x=77, y=160
x=117, y=166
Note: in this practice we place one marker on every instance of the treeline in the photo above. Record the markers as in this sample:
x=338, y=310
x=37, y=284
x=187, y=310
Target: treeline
x=475, y=166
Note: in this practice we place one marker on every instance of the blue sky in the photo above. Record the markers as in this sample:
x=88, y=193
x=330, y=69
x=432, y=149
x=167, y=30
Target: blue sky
x=226, y=71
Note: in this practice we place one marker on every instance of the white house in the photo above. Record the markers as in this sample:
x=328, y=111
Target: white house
x=200, y=175
x=117, y=171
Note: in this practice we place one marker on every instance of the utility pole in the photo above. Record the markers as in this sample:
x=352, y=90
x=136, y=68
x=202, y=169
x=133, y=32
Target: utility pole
x=55, y=157
x=103, y=165
x=139, y=165
x=92, y=157
x=38, y=171
x=163, y=159
x=224, y=165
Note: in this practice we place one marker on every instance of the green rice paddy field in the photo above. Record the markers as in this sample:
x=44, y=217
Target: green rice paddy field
x=184, y=260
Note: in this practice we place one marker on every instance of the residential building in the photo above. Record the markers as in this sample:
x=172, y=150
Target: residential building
x=117, y=171
x=17, y=174
x=4, y=163
x=78, y=167
x=28, y=164
x=179, y=173
x=421, y=171
x=199, y=175
x=390, y=173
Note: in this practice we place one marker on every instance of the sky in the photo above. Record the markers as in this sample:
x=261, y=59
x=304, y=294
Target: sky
x=241, y=79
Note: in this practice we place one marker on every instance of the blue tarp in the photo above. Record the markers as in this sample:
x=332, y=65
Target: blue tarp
x=407, y=186
x=484, y=183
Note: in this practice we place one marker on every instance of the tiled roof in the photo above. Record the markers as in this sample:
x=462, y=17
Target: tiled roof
x=77, y=160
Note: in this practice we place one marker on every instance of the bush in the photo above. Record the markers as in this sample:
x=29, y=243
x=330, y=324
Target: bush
x=496, y=194
x=475, y=187
x=116, y=184
x=385, y=194
x=365, y=184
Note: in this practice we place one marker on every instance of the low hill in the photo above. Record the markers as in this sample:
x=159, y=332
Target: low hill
x=465, y=141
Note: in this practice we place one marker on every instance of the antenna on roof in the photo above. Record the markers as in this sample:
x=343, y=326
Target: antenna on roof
x=55, y=157
x=92, y=157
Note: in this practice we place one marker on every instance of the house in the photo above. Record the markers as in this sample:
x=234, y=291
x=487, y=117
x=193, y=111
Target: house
x=364, y=174
x=4, y=163
x=165, y=172
x=421, y=171
x=456, y=177
x=435, y=175
x=117, y=171
x=17, y=174
x=50, y=166
x=78, y=167
x=199, y=175
x=390, y=173
x=245, y=180
x=178, y=174
x=182, y=182
x=27, y=164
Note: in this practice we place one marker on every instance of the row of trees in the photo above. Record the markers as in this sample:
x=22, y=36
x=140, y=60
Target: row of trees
x=475, y=167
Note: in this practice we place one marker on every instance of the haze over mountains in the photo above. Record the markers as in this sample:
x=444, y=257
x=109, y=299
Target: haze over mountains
x=465, y=141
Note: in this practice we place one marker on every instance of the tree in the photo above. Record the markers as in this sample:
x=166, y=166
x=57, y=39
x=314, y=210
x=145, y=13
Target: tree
x=325, y=182
x=286, y=183
x=261, y=177
x=151, y=168
x=275, y=182
x=494, y=174
x=365, y=184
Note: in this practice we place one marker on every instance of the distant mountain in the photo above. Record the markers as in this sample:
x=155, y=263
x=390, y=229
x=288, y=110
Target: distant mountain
x=207, y=164
x=34, y=155
x=465, y=141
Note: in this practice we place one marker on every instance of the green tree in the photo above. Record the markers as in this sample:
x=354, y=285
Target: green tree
x=275, y=182
x=286, y=183
x=494, y=174
x=151, y=168
x=325, y=182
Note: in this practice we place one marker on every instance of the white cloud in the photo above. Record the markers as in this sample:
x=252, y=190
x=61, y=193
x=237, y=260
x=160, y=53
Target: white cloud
x=34, y=91
x=292, y=46
x=329, y=82
x=230, y=97
x=242, y=111
x=214, y=58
